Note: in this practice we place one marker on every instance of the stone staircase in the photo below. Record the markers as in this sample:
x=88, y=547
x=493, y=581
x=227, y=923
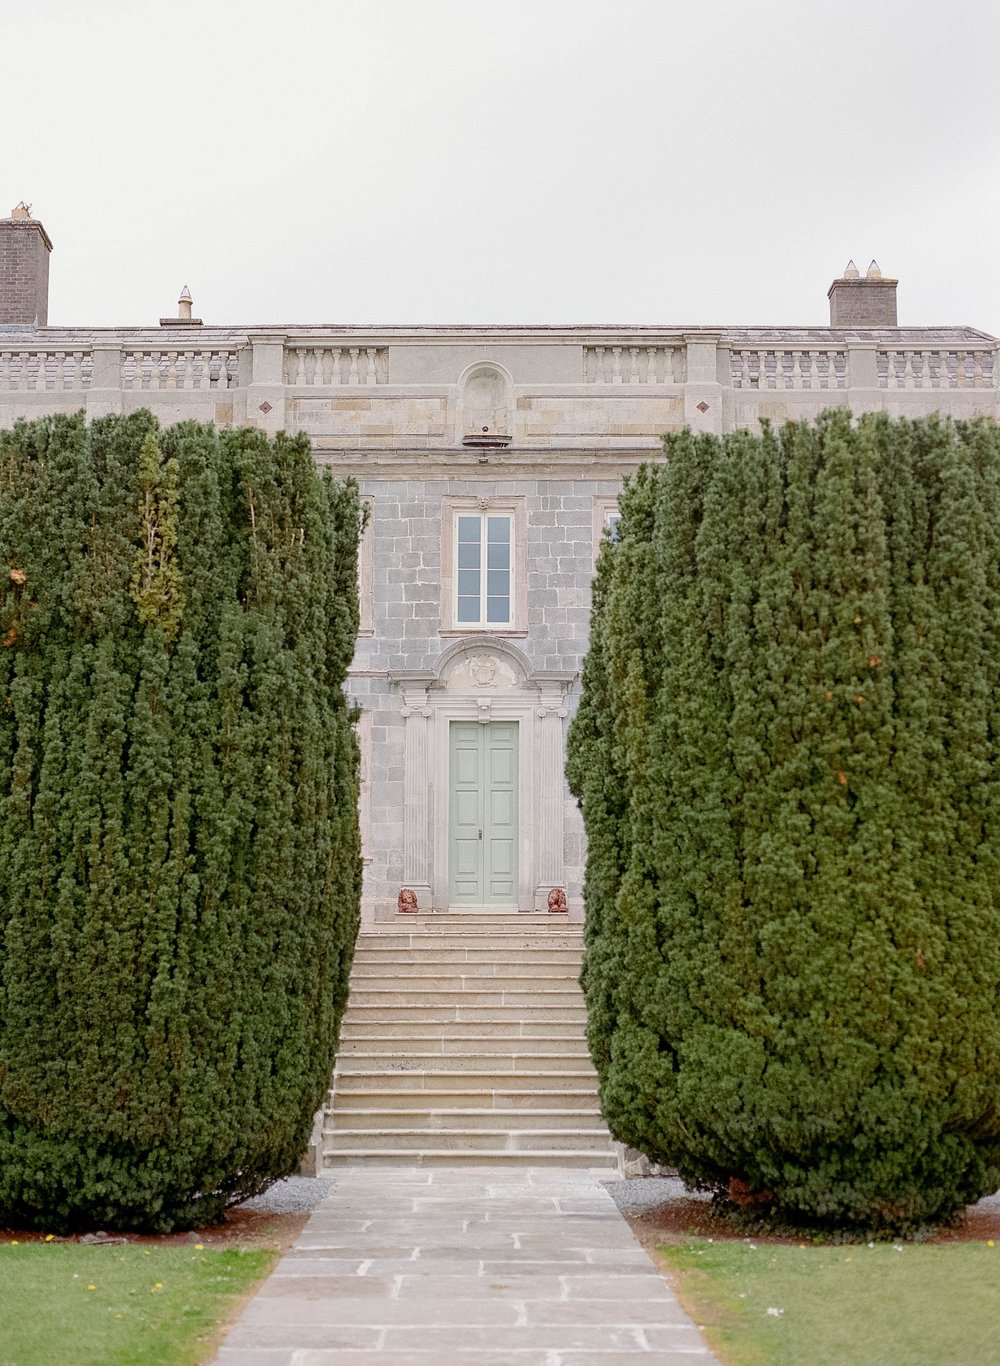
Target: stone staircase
x=463, y=1040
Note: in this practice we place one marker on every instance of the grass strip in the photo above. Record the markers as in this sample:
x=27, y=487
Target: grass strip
x=899, y=1304
x=119, y=1305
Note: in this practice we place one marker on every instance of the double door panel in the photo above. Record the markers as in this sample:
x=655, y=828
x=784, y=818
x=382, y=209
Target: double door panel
x=482, y=825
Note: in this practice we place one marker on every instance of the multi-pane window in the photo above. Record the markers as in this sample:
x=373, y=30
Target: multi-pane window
x=606, y=520
x=484, y=568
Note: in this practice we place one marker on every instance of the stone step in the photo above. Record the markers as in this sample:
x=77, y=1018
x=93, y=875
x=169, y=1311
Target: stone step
x=362, y=1057
x=541, y=1044
x=469, y=939
x=454, y=977
x=449, y=1120
x=470, y=1010
x=466, y=1015
x=439, y=1099
x=470, y=1001
x=414, y=996
x=521, y=922
x=490, y=1081
x=543, y=956
x=515, y=1140
x=449, y=1157
x=377, y=1027
x=464, y=1039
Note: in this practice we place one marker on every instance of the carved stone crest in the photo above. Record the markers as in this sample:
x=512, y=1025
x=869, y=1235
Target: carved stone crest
x=483, y=670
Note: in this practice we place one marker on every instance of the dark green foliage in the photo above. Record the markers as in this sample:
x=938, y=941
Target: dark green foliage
x=179, y=859
x=786, y=755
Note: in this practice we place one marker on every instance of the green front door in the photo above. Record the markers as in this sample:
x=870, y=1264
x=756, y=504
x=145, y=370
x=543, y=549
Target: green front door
x=482, y=827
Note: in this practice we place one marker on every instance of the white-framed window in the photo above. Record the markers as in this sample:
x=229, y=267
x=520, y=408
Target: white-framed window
x=606, y=519
x=484, y=568
x=483, y=565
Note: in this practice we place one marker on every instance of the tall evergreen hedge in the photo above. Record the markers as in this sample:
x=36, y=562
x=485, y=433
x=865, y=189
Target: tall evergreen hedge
x=179, y=860
x=786, y=756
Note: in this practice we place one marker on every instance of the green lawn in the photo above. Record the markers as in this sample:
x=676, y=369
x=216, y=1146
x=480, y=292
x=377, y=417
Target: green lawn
x=899, y=1304
x=66, y=1305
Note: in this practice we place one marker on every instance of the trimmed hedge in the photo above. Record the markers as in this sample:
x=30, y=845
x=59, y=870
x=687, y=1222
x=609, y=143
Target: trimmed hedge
x=786, y=757
x=179, y=854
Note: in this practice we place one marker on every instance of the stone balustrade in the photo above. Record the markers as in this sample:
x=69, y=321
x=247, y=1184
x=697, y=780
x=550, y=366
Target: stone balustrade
x=571, y=388
x=639, y=364
x=181, y=368
x=322, y=364
x=789, y=368
x=43, y=369
x=956, y=367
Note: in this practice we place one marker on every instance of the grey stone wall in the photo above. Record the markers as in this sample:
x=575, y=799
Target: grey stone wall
x=406, y=588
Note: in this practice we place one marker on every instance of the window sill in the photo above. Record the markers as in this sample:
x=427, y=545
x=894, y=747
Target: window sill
x=473, y=630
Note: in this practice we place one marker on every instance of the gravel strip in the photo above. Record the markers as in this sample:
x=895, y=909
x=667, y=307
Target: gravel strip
x=301, y=1194
x=649, y=1192
x=293, y=1195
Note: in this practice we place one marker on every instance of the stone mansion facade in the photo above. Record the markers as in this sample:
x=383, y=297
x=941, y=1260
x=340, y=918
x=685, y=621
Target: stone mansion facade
x=491, y=459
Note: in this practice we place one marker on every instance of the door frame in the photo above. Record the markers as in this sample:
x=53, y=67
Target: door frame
x=522, y=714
x=460, y=688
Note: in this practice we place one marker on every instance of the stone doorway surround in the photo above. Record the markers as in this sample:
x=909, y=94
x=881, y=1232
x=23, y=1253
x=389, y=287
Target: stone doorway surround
x=483, y=678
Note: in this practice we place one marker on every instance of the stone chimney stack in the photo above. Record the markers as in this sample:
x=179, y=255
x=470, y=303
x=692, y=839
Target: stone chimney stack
x=24, y=270
x=857, y=302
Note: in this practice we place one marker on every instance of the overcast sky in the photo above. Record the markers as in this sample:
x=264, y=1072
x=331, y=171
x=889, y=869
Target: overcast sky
x=491, y=161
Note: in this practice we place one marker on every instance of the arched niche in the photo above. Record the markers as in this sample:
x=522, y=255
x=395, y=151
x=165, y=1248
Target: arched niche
x=486, y=405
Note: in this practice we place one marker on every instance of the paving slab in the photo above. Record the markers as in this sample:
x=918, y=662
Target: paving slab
x=465, y=1266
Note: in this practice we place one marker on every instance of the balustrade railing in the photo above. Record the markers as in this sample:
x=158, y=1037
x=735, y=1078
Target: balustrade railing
x=789, y=368
x=336, y=365
x=191, y=368
x=956, y=367
x=633, y=365
x=39, y=371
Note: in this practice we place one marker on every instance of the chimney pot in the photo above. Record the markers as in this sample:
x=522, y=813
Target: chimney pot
x=184, y=318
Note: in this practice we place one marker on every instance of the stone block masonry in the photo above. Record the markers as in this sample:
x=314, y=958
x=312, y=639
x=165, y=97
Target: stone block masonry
x=24, y=273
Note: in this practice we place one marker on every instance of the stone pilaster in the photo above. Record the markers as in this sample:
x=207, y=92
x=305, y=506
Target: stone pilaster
x=416, y=785
x=105, y=393
x=702, y=390
x=266, y=391
x=549, y=850
x=862, y=374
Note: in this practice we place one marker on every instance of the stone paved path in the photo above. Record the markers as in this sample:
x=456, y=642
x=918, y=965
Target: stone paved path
x=465, y=1266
